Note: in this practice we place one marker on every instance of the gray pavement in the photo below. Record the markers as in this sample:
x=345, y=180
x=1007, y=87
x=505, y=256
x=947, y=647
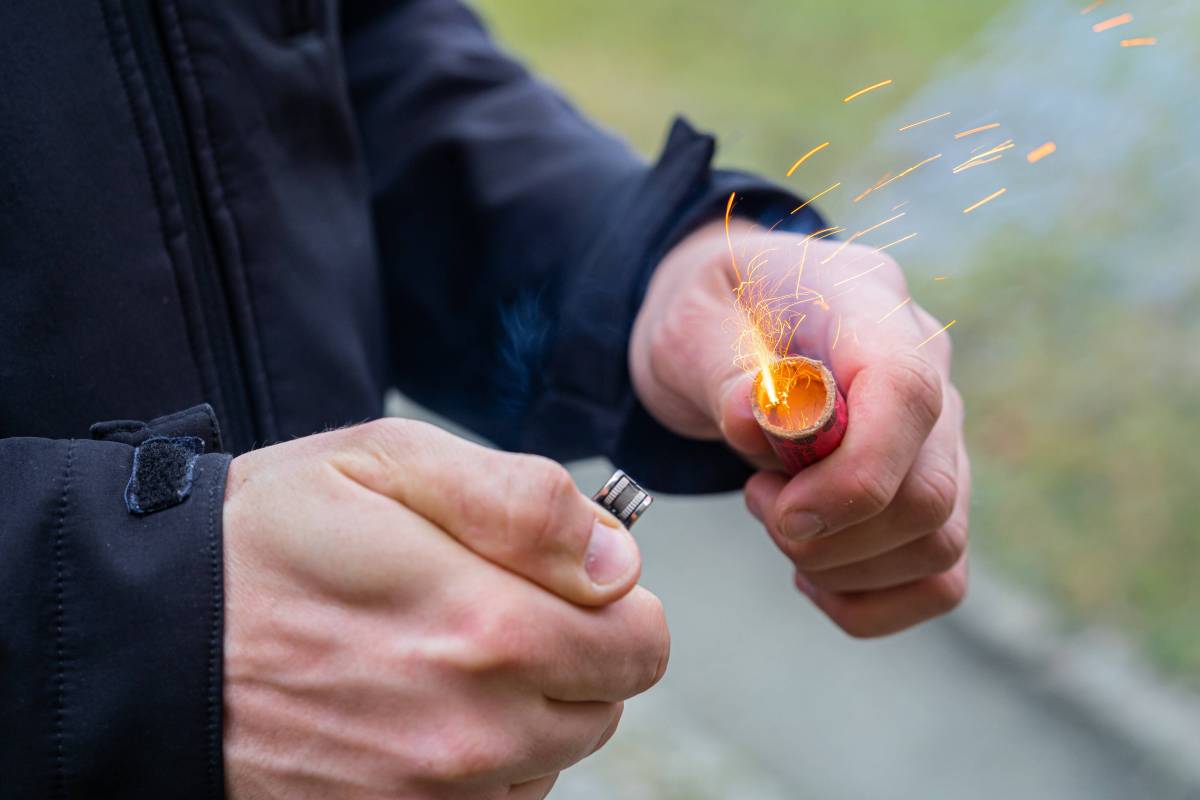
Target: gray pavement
x=764, y=699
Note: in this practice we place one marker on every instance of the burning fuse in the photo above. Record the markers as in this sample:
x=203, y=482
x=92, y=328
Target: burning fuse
x=798, y=405
x=623, y=498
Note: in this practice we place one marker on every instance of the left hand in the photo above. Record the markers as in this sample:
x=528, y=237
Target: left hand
x=878, y=530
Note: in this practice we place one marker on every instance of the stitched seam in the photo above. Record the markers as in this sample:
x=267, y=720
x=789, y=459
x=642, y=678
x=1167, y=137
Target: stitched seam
x=140, y=126
x=60, y=649
x=214, y=440
x=268, y=402
x=215, y=656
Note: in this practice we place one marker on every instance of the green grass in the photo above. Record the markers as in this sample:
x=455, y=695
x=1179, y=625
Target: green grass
x=1084, y=408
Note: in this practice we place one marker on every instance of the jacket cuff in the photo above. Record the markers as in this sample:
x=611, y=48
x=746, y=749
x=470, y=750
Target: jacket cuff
x=112, y=625
x=588, y=360
x=143, y=607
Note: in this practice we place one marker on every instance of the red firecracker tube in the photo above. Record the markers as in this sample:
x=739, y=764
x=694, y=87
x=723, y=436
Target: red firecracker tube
x=807, y=419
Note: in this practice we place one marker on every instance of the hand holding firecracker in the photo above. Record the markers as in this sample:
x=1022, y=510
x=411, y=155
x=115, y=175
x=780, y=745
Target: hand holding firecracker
x=876, y=528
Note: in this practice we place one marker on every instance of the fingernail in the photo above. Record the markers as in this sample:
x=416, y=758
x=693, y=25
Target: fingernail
x=800, y=526
x=806, y=586
x=611, y=554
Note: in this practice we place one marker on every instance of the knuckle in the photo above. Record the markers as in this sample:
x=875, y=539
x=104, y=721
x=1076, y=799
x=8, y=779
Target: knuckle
x=496, y=638
x=952, y=398
x=811, y=556
x=535, y=521
x=860, y=626
x=933, y=496
x=918, y=385
x=947, y=593
x=468, y=753
x=868, y=489
x=652, y=644
x=942, y=551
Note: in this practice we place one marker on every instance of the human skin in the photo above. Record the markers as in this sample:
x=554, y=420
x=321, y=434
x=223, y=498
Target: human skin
x=409, y=615
x=878, y=530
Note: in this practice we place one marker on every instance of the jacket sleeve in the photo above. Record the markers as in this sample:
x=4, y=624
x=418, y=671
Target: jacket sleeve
x=110, y=626
x=516, y=240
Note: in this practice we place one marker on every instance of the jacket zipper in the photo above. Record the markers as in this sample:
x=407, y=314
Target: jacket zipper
x=237, y=422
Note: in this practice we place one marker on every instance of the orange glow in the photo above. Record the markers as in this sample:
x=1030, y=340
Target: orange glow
x=870, y=88
x=912, y=125
x=980, y=129
x=806, y=157
x=984, y=201
x=1038, y=153
x=1090, y=7
x=1145, y=41
x=1114, y=22
x=800, y=396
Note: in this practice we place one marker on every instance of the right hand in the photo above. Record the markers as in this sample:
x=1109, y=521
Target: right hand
x=409, y=615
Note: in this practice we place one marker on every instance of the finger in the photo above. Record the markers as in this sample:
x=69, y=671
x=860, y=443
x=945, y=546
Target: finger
x=929, y=555
x=883, y=612
x=556, y=736
x=533, y=790
x=522, y=512
x=892, y=405
x=606, y=654
x=924, y=502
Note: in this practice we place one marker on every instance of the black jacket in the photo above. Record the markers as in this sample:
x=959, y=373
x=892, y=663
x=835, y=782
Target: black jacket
x=279, y=208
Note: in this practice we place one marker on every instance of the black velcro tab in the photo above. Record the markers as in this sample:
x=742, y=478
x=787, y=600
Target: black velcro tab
x=162, y=473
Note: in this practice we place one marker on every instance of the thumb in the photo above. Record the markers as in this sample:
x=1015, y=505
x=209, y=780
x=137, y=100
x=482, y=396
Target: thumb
x=521, y=512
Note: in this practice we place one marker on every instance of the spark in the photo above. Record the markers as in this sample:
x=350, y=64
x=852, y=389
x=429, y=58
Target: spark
x=879, y=250
x=870, y=88
x=859, y=275
x=889, y=181
x=899, y=206
x=838, y=334
x=975, y=163
x=815, y=198
x=824, y=233
x=729, y=239
x=1090, y=7
x=945, y=328
x=980, y=129
x=906, y=301
x=985, y=200
x=1038, y=153
x=858, y=236
x=939, y=277
x=986, y=157
x=878, y=183
x=807, y=156
x=1145, y=41
x=912, y=125
x=1115, y=22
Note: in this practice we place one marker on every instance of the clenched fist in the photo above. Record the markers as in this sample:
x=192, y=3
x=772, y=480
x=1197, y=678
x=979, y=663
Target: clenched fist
x=413, y=616
x=878, y=530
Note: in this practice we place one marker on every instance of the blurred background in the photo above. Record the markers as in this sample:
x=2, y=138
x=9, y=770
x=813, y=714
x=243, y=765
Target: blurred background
x=1071, y=671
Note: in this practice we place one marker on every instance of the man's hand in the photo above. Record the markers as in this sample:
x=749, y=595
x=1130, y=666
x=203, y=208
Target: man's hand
x=878, y=530
x=395, y=621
